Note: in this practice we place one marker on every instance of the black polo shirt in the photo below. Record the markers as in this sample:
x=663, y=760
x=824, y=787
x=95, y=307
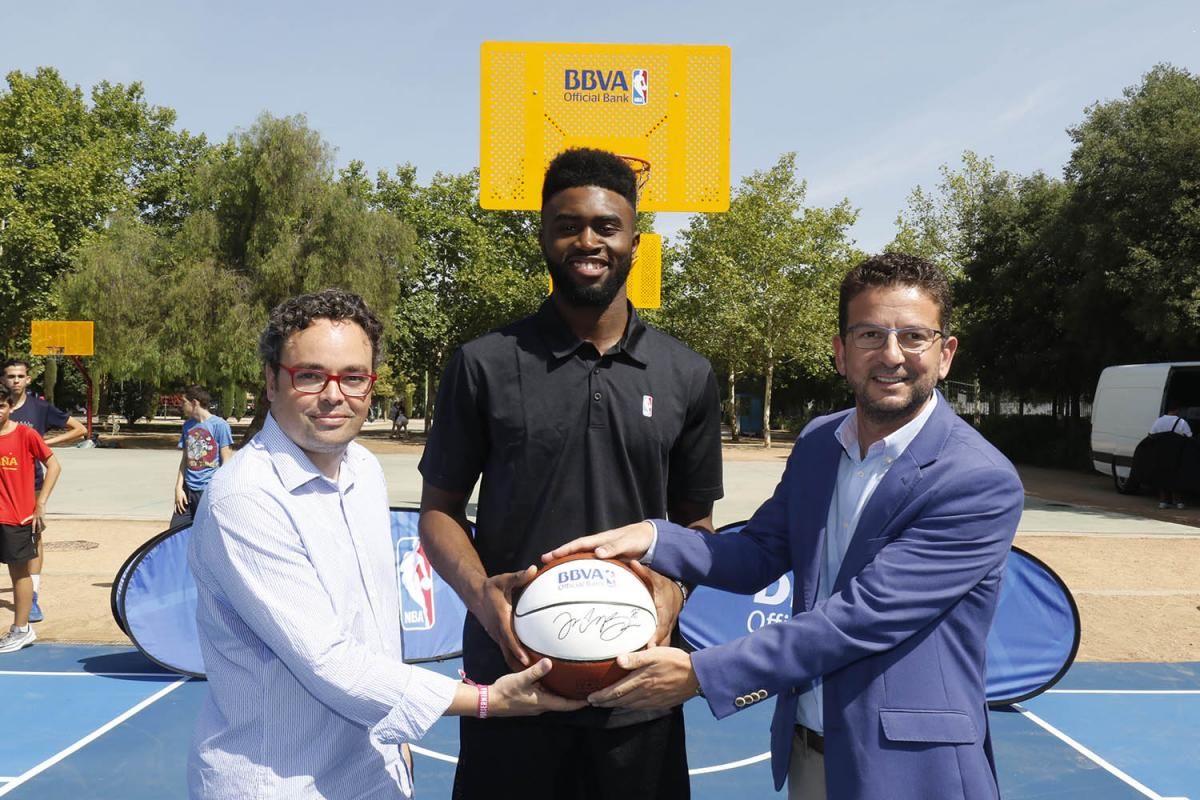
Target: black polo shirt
x=569, y=441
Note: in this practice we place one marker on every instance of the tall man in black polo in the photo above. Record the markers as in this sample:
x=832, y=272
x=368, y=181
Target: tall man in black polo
x=578, y=418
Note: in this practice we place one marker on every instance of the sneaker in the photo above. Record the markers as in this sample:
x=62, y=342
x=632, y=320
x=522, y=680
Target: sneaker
x=35, y=611
x=16, y=639
x=1179, y=506
x=1163, y=505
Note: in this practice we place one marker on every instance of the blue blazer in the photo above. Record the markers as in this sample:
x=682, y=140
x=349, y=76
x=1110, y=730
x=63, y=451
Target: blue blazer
x=900, y=644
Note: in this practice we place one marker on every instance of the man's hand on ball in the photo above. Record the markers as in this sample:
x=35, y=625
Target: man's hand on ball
x=495, y=614
x=660, y=677
x=668, y=602
x=520, y=694
x=631, y=542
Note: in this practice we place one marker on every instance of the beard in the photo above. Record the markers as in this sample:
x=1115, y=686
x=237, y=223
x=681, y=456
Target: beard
x=597, y=295
x=879, y=412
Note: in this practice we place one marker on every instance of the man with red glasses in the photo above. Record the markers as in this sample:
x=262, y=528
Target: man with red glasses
x=297, y=599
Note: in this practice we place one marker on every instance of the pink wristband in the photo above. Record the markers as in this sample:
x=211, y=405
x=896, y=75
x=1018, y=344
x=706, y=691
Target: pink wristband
x=482, y=688
x=483, y=700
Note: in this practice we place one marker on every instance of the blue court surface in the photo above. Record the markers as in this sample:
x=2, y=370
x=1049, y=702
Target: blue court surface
x=93, y=723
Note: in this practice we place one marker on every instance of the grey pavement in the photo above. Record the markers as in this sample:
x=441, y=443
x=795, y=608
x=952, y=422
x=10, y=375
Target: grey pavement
x=139, y=485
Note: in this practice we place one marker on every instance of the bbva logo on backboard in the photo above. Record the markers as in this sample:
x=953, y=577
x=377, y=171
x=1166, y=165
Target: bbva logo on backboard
x=417, y=611
x=606, y=86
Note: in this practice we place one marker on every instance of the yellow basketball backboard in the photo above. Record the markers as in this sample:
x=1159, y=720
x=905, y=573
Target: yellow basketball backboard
x=52, y=337
x=667, y=104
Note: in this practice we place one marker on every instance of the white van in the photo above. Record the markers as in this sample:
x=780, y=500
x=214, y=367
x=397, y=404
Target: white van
x=1128, y=399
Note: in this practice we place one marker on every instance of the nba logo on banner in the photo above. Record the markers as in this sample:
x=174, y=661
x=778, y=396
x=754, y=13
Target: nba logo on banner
x=641, y=90
x=647, y=406
x=416, y=586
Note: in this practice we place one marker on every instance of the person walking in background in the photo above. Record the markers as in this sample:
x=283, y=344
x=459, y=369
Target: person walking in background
x=207, y=443
x=399, y=420
x=22, y=514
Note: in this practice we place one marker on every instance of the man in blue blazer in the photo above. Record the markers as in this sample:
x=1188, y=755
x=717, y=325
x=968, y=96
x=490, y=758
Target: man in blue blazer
x=895, y=518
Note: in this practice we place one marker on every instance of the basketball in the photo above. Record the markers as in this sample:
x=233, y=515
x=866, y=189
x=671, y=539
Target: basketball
x=582, y=612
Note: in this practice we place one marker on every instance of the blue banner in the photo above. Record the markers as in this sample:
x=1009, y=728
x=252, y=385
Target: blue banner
x=431, y=614
x=1033, y=640
x=1032, y=643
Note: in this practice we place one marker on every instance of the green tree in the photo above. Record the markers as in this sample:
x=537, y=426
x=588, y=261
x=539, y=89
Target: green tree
x=939, y=225
x=764, y=277
x=65, y=168
x=1019, y=294
x=475, y=270
x=1136, y=169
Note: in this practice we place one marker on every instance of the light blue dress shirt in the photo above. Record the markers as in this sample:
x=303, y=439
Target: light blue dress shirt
x=857, y=479
x=298, y=615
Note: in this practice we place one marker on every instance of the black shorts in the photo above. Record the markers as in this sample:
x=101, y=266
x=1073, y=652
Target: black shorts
x=18, y=543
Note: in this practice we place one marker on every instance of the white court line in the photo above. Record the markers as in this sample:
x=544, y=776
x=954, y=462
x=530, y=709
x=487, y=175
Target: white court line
x=1123, y=691
x=91, y=737
x=433, y=754
x=1091, y=756
x=30, y=673
x=745, y=762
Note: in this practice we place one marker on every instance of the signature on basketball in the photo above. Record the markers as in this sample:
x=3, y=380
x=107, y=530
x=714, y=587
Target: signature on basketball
x=607, y=626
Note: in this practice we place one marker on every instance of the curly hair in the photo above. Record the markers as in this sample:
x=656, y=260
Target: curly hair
x=297, y=313
x=896, y=269
x=585, y=166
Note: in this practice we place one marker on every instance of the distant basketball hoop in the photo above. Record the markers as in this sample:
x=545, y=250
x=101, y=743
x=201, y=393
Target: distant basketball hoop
x=70, y=338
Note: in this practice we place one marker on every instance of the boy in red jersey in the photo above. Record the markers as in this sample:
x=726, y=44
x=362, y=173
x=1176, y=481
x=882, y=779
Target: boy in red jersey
x=22, y=514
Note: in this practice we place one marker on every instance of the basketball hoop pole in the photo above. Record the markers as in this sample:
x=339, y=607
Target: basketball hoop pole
x=78, y=362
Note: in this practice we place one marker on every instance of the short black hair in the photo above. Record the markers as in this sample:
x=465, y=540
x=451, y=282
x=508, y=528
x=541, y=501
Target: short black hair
x=15, y=362
x=197, y=392
x=586, y=166
x=6, y=394
x=897, y=269
x=297, y=313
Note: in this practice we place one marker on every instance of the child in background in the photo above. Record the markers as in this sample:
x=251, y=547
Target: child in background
x=22, y=514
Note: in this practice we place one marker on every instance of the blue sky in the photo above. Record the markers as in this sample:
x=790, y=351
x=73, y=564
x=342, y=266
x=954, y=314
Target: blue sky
x=872, y=96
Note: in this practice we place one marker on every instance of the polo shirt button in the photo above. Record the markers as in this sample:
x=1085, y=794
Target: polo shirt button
x=596, y=371
x=596, y=396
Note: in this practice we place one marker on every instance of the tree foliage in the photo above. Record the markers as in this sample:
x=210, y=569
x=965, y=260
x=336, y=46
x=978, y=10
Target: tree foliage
x=475, y=270
x=757, y=287
x=1136, y=171
x=66, y=167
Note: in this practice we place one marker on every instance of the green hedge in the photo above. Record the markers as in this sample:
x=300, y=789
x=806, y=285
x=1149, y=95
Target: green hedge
x=1040, y=441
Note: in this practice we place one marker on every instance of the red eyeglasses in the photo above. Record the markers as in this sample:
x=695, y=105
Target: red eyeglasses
x=307, y=380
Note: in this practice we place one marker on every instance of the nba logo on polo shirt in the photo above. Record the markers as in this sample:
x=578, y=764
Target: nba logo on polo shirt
x=647, y=406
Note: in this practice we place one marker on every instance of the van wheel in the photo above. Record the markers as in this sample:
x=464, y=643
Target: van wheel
x=1124, y=485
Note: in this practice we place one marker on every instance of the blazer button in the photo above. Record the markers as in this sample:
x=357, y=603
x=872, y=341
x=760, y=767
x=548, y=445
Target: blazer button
x=740, y=702
x=761, y=694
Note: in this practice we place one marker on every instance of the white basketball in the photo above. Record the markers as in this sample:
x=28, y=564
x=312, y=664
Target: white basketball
x=585, y=609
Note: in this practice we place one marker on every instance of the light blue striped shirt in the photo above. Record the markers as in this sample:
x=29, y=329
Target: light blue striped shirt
x=857, y=479
x=298, y=615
